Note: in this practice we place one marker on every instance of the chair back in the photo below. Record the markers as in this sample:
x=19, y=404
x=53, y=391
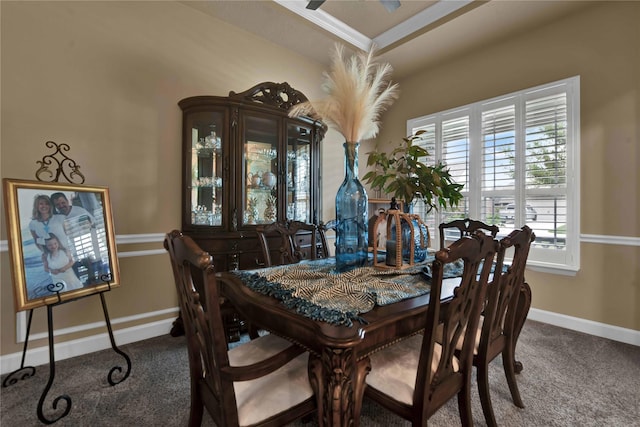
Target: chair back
x=204, y=330
x=503, y=291
x=466, y=227
x=296, y=240
x=434, y=387
x=222, y=380
x=322, y=229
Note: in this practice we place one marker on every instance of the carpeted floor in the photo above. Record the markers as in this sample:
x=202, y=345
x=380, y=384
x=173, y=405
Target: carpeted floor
x=569, y=379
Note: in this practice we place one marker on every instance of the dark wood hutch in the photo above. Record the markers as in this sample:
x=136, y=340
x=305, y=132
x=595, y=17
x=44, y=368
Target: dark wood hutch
x=246, y=163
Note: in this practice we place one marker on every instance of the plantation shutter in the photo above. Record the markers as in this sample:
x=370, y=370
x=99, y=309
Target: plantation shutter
x=545, y=163
x=498, y=161
x=456, y=155
x=426, y=140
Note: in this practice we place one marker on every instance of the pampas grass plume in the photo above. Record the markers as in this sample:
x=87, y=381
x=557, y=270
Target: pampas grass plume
x=358, y=91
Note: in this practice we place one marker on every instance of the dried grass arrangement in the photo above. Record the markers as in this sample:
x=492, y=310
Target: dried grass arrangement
x=358, y=90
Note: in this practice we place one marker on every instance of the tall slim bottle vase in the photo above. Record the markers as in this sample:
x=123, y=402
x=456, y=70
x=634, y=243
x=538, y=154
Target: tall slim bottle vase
x=351, y=215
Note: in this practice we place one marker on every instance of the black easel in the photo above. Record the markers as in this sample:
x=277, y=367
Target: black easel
x=67, y=168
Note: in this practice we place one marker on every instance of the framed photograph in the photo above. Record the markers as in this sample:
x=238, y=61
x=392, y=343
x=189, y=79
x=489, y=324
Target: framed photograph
x=375, y=206
x=61, y=241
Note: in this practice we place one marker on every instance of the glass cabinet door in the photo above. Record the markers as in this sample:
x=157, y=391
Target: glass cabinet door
x=260, y=137
x=298, y=173
x=206, y=168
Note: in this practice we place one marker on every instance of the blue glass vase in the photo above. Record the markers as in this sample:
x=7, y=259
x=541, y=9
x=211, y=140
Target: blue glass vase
x=351, y=215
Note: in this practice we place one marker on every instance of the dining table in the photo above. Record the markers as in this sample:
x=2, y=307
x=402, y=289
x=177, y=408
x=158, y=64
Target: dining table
x=340, y=318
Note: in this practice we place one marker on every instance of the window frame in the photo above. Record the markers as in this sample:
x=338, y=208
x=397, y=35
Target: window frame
x=563, y=261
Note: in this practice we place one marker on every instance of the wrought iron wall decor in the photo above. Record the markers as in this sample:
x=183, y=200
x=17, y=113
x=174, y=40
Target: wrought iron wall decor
x=65, y=166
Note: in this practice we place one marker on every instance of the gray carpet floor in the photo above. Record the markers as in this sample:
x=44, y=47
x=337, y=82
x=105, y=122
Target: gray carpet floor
x=569, y=379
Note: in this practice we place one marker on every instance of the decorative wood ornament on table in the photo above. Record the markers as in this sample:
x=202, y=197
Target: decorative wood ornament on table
x=400, y=250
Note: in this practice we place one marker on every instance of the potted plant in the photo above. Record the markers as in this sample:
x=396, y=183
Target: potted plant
x=403, y=175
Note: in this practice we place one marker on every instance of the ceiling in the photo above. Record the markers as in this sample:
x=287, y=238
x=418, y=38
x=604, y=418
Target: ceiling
x=419, y=34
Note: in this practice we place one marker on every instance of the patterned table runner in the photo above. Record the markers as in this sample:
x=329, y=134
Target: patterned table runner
x=315, y=290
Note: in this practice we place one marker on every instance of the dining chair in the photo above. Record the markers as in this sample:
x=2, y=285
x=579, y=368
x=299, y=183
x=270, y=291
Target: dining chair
x=416, y=376
x=297, y=240
x=291, y=242
x=263, y=382
x=466, y=227
x=497, y=332
x=323, y=228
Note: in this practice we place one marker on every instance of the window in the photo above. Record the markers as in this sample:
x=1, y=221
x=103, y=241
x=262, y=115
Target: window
x=518, y=158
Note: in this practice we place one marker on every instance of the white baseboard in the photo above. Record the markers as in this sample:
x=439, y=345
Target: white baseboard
x=40, y=355
x=590, y=327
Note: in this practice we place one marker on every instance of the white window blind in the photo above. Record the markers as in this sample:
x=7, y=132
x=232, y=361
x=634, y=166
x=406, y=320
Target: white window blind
x=518, y=158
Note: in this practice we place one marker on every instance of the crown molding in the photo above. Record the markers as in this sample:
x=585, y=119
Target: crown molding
x=350, y=35
x=419, y=21
x=323, y=20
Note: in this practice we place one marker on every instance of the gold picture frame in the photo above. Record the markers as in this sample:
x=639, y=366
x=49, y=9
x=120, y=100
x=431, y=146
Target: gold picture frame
x=78, y=229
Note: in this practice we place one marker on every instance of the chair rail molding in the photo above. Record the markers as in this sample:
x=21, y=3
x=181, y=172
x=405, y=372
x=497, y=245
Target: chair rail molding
x=39, y=356
x=123, y=239
x=128, y=239
x=610, y=240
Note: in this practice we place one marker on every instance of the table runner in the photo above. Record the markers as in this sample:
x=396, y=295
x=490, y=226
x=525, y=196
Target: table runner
x=315, y=290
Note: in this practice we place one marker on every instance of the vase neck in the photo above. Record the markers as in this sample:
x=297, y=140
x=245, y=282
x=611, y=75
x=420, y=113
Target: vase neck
x=351, y=158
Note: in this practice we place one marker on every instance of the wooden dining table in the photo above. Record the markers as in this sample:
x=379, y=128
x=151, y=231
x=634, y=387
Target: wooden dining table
x=339, y=353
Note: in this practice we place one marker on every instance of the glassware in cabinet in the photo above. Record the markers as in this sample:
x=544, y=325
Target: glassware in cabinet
x=228, y=191
x=244, y=168
x=260, y=139
x=298, y=173
x=206, y=168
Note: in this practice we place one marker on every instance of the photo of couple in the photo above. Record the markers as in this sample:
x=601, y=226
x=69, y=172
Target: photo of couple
x=65, y=249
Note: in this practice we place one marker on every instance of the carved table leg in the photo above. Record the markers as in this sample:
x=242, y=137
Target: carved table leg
x=338, y=381
x=522, y=310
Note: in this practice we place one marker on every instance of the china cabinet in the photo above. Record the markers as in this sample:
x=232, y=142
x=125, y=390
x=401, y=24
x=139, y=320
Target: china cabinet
x=246, y=163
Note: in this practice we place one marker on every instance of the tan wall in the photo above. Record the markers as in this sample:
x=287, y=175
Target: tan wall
x=105, y=78
x=601, y=43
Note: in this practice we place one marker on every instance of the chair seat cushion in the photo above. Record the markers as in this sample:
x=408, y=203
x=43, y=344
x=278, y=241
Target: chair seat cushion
x=394, y=368
x=269, y=395
x=476, y=344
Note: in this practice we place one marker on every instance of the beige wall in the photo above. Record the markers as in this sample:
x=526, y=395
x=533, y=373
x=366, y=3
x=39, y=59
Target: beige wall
x=601, y=43
x=105, y=78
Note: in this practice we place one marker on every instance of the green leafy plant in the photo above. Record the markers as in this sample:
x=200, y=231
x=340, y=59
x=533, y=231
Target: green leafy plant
x=404, y=176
